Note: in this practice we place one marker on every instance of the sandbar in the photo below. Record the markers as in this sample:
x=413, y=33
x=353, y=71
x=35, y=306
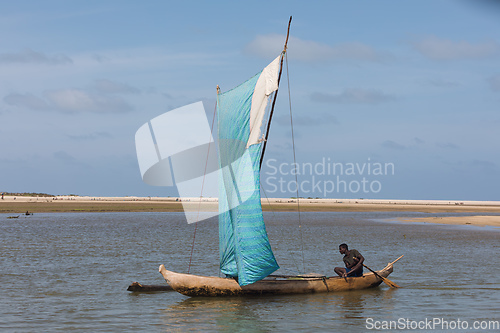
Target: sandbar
x=478, y=220
x=21, y=204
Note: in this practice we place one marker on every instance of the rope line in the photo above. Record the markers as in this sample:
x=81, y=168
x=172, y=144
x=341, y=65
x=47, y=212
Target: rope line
x=294, y=160
x=202, y=186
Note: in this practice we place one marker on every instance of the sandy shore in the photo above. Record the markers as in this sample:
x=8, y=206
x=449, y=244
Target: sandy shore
x=19, y=205
x=479, y=220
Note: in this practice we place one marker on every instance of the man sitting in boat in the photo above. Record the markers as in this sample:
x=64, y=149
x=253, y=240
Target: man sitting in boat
x=353, y=262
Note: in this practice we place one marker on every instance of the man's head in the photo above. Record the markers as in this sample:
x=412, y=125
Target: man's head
x=343, y=248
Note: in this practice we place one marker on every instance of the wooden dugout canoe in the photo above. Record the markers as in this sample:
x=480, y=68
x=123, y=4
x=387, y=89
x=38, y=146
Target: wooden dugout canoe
x=195, y=285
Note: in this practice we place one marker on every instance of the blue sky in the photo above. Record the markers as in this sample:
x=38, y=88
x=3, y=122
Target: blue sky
x=412, y=84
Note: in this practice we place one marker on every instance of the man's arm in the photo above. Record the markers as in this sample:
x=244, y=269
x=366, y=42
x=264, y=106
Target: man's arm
x=359, y=259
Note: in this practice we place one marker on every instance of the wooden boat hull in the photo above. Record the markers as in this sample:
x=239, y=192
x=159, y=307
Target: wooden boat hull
x=194, y=285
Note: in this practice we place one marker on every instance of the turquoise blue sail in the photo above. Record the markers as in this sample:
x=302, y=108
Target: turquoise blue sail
x=245, y=252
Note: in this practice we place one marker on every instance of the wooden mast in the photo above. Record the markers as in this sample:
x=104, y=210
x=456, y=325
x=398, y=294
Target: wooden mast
x=275, y=94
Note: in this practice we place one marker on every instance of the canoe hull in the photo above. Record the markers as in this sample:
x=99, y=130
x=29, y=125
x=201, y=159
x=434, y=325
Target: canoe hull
x=195, y=285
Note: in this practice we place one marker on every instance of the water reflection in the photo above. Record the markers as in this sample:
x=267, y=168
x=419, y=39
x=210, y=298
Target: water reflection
x=352, y=305
x=222, y=315
x=261, y=314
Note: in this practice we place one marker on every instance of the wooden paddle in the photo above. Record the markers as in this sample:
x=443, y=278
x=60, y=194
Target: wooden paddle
x=392, y=263
x=386, y=280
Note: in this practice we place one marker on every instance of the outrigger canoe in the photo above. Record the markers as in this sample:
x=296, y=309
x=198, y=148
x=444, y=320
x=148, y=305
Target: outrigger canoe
x=196, y=285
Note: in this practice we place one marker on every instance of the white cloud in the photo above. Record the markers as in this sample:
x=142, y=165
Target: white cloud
x=353, y=95
x=70, y=100
x=494, y=82
x=64, y=156
x=299, y=121
x=442, y=83
x=487, y=166
x=89, y=137
x=29, y=101
x=99, y=58
x=443, y=49
x=111, y=87
x=77, y=100
x=29, y=56
x=307, y=50
x=66, y=159
x=447, y=145
x=393, y=145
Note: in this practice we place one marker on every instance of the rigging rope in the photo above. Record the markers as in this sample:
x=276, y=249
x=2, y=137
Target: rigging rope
x=267, y=199
x=294, y=160
x=202, y=185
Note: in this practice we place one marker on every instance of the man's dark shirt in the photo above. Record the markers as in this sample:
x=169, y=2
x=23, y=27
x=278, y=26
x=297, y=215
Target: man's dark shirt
x=349, y=259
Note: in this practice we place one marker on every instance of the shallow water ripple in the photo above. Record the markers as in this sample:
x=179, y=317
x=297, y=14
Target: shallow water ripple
x=69, y=272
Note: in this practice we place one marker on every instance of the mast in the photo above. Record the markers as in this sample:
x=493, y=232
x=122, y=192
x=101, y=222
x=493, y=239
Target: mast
x=275, y=94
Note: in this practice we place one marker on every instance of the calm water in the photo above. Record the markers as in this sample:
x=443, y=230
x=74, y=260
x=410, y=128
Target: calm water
x=62, y=272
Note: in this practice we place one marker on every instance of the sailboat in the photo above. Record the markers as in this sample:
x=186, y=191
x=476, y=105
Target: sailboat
x=246, y=257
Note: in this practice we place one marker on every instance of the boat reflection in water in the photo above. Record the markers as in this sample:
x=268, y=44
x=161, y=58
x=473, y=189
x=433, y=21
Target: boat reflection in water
x=257, y=314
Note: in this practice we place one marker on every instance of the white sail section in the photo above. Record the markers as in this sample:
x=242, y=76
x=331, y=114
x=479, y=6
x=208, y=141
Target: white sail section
x=265, y=86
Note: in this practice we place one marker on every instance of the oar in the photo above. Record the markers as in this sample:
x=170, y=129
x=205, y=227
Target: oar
x=392, y=263
x=386, y=280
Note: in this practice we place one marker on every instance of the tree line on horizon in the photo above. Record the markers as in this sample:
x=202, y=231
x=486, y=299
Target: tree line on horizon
x=27, y=194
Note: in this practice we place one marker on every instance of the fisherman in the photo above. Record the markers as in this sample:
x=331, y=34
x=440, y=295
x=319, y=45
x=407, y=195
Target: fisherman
x=353, y=262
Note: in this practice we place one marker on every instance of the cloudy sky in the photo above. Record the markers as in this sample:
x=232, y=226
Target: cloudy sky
x=413, y=85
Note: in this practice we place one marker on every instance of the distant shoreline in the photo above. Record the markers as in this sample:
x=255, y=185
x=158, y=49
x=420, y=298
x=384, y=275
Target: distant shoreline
x=14, y=206
x=21, y=204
